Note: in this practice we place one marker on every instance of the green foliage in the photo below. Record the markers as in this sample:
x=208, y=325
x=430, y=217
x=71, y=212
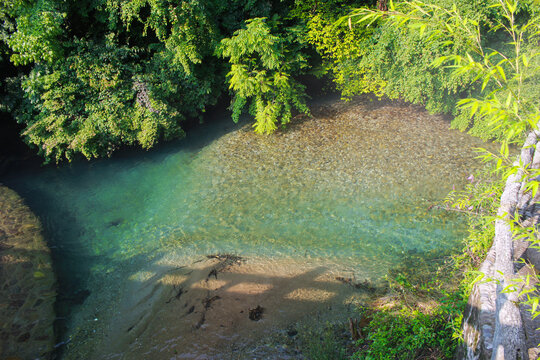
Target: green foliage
x=88, y=61
x=187, y=30
x=479, y=200
x=343, y=50
x=508, y=110
x=34, y=36
x=394, y=57
x=330, y=9
x=323, y=344
x=188, y=94
x=428, y=293
x=423, y=317
x=87, y=104
x=458, y=33
x=416, y=274
x=408, y=335
x=503, y=106
x=396, y=61
x=262, y=65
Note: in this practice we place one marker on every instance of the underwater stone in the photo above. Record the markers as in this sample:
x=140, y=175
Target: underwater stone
x=23, y=247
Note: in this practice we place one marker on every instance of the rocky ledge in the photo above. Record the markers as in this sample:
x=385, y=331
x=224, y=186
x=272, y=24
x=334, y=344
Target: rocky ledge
x=27, y=283
x=497, y=324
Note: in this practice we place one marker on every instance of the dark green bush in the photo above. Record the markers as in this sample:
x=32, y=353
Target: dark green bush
x=407, y=335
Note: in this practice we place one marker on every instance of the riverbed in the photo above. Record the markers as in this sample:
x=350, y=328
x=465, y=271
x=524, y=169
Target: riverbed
x=330, y=202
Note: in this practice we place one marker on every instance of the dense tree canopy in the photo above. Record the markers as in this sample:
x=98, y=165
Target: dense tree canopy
x=94, y=75
x=262, y=68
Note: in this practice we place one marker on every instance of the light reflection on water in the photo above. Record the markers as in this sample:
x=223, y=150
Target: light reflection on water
x=352, y=191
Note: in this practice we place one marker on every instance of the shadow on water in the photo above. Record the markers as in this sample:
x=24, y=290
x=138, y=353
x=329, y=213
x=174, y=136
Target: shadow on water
x=26, y=298
x=217, y=122
x=71, y=263
x=63, y=236
x=217, y=306
x=224, y=306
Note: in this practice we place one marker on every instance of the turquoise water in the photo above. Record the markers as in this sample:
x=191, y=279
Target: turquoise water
x=311, y=193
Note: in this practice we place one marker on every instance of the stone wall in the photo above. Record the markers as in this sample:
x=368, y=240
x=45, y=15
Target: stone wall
x=27, y=283
x=496, y=324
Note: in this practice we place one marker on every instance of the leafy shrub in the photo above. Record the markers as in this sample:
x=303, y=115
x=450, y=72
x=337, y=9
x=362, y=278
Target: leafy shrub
x=262, y=69
x=407, y=335
x=97, y=75
x=89, y=103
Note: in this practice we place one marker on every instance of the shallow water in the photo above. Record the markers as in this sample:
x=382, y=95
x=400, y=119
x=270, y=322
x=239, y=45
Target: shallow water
x=349, y=190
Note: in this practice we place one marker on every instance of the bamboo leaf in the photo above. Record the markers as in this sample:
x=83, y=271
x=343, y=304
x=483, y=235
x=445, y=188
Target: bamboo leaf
x=508, y=100
x=501, y=72
x=486, y=81
x=525, y=60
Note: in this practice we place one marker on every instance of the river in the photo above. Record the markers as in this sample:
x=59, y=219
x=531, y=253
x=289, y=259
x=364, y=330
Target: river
x=345, y=194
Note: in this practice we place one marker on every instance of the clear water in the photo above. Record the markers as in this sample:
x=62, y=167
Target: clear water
x=348, y=190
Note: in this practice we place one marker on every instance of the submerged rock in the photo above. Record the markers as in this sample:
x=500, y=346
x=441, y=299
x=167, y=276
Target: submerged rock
x=27, y=283
x=255, y=314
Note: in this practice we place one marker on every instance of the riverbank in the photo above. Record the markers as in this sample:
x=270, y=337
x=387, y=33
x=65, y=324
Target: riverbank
x=28, y=283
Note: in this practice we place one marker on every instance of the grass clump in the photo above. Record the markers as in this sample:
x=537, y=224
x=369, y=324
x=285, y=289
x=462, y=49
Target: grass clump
x=327, y=343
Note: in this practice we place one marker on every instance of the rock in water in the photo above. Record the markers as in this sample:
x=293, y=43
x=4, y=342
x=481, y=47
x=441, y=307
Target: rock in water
x=256, y=313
